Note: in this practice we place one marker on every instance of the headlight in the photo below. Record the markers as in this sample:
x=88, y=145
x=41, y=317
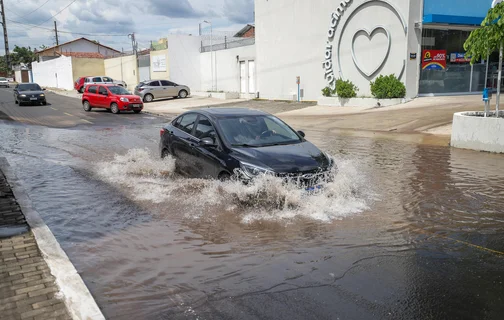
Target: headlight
x=22, y=95
x=124, y=99
x=250, y=171
x=330, y=159
x=42, y=95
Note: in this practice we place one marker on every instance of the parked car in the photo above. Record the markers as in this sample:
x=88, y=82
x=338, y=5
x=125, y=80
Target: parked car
x=158, y=89
x=221, y=143
x=29, y=93
x=112, y=97
x=82, y=82
x=4, y=82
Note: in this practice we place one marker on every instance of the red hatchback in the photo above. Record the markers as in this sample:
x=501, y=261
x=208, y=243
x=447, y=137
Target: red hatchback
x=111, y=97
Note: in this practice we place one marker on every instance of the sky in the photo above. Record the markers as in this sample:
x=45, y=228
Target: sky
x=31, y=22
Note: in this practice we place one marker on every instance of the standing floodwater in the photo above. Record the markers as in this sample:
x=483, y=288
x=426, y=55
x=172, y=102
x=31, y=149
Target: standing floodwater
x=404, y=231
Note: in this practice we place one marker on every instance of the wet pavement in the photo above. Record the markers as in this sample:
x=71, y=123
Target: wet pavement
x=406, y=231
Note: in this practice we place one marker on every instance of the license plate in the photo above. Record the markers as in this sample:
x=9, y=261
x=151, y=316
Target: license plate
x=136, y=106
x=313, y=189
x=33, y=99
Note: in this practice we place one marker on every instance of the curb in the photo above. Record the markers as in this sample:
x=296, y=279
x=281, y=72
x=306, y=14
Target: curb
x=78, y=300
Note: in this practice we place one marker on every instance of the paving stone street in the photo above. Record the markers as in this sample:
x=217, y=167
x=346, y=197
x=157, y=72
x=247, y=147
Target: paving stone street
x=27, y=288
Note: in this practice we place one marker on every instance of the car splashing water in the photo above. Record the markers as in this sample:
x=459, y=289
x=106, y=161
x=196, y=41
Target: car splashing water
x=145, y=178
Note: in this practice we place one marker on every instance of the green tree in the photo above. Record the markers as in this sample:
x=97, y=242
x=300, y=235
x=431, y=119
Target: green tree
x=488, y=38
x=23, y=55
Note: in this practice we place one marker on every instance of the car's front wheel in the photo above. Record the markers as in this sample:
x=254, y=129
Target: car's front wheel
x=137, y=111
x=86, y=106
x=148, y=98
x=44, y=103
x=114, y=108
x=183, y=94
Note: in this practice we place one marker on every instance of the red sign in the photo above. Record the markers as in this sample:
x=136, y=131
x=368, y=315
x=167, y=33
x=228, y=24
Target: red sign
x=434, y=59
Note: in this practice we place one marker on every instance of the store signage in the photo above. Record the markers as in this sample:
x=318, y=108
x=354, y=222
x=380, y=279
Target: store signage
x=328, y=64
x=434, y=59
x=459, y=58
x=412, y=56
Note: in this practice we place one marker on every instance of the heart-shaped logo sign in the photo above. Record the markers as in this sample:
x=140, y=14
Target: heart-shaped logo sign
x=370, y=36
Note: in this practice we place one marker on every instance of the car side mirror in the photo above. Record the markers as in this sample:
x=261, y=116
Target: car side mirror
x=302, y=134
x=44, y=89
x=207, y=142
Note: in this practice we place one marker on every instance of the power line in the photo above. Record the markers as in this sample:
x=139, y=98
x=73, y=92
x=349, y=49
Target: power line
x=53, y=15
x=20, y=16
x=70, y=32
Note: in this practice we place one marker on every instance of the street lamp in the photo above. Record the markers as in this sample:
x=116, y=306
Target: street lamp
x=211, y=50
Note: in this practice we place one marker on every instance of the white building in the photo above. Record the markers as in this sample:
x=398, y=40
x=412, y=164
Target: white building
x=419, y=41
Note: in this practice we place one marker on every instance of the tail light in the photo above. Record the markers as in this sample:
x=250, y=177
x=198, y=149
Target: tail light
x=161, y=132
x=140, y=89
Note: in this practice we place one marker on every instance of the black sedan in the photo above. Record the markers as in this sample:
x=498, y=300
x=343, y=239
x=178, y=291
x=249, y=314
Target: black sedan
x=222, y=143
x=29, y=93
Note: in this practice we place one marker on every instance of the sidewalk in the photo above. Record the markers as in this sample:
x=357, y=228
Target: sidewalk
x=37, y=279
x=27, y=288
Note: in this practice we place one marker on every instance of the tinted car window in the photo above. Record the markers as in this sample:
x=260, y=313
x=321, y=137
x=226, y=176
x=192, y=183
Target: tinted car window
x=204, y=129
x=187, y=122
x=102, y=90
x=106, y=79
x=92, y=89
x=167, y=83
x=154, y=84
x=86, y=80
x=98, y=79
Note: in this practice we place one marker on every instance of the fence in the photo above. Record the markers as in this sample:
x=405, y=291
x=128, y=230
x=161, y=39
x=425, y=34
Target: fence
x=228, y=44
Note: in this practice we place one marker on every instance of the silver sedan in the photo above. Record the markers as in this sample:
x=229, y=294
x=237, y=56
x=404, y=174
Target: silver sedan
x=159, y=89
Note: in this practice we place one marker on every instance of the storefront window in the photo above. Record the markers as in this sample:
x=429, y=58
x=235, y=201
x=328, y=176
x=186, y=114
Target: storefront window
x=453, y=75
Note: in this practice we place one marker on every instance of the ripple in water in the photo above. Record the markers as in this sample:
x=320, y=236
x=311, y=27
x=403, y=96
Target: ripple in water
x=144, y=177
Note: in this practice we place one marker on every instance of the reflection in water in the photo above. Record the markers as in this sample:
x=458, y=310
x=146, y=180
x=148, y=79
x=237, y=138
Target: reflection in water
x=375, y=244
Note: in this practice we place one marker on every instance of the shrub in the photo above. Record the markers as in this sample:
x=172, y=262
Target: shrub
x=388, y=87
x=346, y=89
x=327, y=92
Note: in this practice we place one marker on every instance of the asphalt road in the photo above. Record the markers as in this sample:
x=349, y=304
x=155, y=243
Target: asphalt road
x=66, y=112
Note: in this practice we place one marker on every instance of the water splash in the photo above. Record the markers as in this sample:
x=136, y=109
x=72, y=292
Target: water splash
x=145, y=178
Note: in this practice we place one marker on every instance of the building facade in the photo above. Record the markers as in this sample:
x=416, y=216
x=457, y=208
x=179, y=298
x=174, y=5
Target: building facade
x=80, y=45
x=421, y=42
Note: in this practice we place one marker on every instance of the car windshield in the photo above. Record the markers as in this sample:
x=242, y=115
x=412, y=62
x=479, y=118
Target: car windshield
x=3, y=79
x=256, y=131
x=118, y=90
x=29, y=87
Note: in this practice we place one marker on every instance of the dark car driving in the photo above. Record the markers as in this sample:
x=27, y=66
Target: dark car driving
x=222, y=143
x=29, y=93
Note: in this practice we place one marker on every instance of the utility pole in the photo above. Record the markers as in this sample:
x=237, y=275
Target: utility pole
x=56, y=31
x=6, y=38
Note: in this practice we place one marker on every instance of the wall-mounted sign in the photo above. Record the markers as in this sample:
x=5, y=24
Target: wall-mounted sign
x=434, y=59
x=159, y=63
x=412, y=56
x=459, y=58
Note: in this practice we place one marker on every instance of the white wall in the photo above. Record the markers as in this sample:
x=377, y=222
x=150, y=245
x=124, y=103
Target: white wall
x=291, y=39
x=226, y=68
x=85, y=46
x=184, y=60
x=55, y=73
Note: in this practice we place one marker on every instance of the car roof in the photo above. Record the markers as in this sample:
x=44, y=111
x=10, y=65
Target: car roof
x=230, y=112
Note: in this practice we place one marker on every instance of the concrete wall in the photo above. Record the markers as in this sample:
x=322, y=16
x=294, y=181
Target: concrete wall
x=478, y=133
x=85, y=46
x=287, y=48
x=83, y=67
x=155, y=71
x=55, y=73
x=123, y=68
x=226, y=68
x=184, y=60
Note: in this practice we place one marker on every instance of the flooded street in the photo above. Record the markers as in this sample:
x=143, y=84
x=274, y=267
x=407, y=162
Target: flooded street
x=405, y=231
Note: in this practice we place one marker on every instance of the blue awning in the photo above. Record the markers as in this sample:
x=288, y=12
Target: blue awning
x=446, y=19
